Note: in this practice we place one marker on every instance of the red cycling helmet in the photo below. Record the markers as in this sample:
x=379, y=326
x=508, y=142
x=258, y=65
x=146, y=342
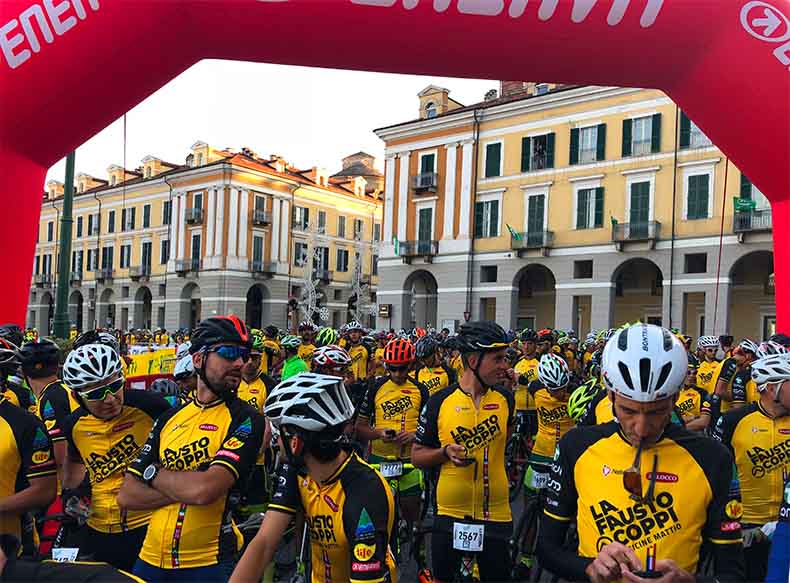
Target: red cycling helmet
x=399, y=351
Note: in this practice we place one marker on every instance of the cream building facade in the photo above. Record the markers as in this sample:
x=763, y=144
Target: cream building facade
x=572, y=207
x=226, y=232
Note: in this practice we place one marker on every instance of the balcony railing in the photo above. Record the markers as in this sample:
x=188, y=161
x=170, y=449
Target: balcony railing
x=187, y=265
x=139, y=271
x=752, y=221
x=426, y=249
x=323, y=275
x=194, y=216
x=263, y=267
x=75, y=277
x=105, y=274
x=299, y=225
x=425, y=182
x=43, y=279
x=634, y=232
x=532, y=240
x=261, y=218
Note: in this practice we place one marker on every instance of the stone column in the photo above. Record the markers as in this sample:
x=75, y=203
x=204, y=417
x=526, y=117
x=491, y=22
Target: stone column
x=233, y=230
x=389, y=198
x=673, y=312
x=601, y=306
x=467, y=161
x=181, y=206
x=243, y=222
x=285, y=231
x=403, y=195
x=717, y=314
x=275, y=229
x=212, y=199
x=564, y=318
x=449, y=192
x=220, y=223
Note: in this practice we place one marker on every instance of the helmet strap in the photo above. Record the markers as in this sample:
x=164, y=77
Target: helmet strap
x=476, y=373
x=222, y=393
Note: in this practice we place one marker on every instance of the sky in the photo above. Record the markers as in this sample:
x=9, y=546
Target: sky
x=311, y=117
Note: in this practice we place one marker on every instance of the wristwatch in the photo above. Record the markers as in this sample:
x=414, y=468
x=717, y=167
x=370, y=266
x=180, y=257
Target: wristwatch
x=150, y=473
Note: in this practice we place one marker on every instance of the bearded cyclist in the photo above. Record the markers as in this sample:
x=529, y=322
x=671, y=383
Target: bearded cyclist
x=641, y=516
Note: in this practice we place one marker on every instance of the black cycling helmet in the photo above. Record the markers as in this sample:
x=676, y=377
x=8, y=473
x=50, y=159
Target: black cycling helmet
x=782, y=339
x=12, y=333
x=426, y=346
x=693, y=361
x=219, y=329
x=528, y=335
x=165, y=387
x=481, y=336
x=271, y=331
x=97, y=337
x=39, y=355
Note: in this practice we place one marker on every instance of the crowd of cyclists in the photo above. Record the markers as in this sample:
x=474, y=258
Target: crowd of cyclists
x=632, y=454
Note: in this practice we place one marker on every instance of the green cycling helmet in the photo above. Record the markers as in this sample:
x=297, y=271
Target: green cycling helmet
x=326, y=336
x=581, y=398
x=291, y=342
x=256, y=340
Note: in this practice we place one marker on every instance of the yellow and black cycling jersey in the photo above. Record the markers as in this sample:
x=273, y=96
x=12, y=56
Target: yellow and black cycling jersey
x=271, y=352
x=397, y=407
x=553, y=420
x=599, y=410
x=21, y=397
x=359, y=361
x=760, y=447
x=457, y=363
x=254, y=393
x=106, y=448
x=692, y=500
x=528, y=367
x=378, y=359
x=349, y=516
x=25, y=454
x=435, y=378
x=479, y=490
x=55, y=403
x=305, y=352
x=741, y=386
x=707, y=375
x=693, y=402
x=194, y=437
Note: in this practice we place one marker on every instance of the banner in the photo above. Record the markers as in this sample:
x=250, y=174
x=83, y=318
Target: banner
x=152, y=363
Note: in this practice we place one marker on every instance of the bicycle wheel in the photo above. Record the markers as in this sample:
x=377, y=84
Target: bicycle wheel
x=516, y=465
x=520, y=545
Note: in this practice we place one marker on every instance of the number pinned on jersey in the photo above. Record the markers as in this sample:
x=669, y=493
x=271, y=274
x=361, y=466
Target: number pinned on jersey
x=65, y=555
x=468, y=537
x=391, y=469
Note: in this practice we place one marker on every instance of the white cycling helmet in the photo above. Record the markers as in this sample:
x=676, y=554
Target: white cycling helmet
x=312, y=402
x=708, y=342
x=183, y=349
x=291, y=342
x=749, y=346
x=769, y=348
x=644, y=363
x=90, y=364
x=771, y=369
x=553, y=372
x=331, y=355
x=184, y=367
x=354, y=325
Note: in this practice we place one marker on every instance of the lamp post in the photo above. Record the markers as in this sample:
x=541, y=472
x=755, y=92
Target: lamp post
x=61, y=320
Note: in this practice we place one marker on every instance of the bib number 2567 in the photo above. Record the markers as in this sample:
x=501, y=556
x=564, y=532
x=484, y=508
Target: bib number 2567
x=468, y=537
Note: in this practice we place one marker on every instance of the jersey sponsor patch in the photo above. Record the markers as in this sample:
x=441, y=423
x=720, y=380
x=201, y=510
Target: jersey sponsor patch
x=730, y=526
x=734, y=510
x=365, y=529
x=478, y=436
x=228, y=454
x=120, y=427
x=365, y=567
x=331, y=503
x=638, y=525
x=491, y=406
x=40, y=457
x=244, y=430
x=48, y=411
x=208, y=427
x=188, y=456
x=232, y=443
x=764, y=461
x=665, y=477
x=363, y=552
x=40, y=440
x=116, y=459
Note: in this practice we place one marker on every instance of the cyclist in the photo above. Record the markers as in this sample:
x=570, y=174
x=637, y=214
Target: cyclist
x=708, y=372
x=661, y=505
x=307, y=331
x=184, y=375
x=693, y=404
x=527, y=371
x=104, y=435
x=360, y=355
x=326, y=336
x=254, y=384
x=388, y=419
x=734, y=385
x=188, y=469
x=12, y=333
x=347, y=505
x=293, y=364
x=378, y=354
x=431, y=371
x=10, y=387
x=757, y=437
x=271, y=357
x=168, y=389
x=581, y=403
x=464, y=429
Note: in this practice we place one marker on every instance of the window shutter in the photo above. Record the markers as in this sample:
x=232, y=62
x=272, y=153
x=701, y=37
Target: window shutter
x=550, y=150
x=306, y=216
x=574, y=154
x=478, y=219
x=746, y=187
x=627, y=136
x=655, y=137
x=525, y=148
x=599, y=206
x=581, y=210
x=123, y=219
x=601, y=153
x=493, y=156
x=685, y=130
x=134, y=213
x=493, y=228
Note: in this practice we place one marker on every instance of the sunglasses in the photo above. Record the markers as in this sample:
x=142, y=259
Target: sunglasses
x=632, y=478
x=232, y=353
x=397, y=368
x=100, y=393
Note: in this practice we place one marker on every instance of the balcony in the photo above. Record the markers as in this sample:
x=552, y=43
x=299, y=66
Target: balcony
x=755, y=221
x=194, y=216
x=323, y=275
x=138, y=272
x=299, y=225
x=535, y=240
x=184, y=266
x=43, y=279
x=646, y=231
x=425, y=182
x=75, y=277
x=105, y=274
x=263, y=267
x=261, y=218
x=425, y=249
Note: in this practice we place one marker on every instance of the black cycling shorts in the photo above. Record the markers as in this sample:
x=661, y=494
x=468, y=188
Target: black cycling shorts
x=493, y=562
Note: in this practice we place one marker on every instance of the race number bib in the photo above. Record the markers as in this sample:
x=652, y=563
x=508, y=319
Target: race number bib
x=65, y=555
x=468, y=537
x=391, y=469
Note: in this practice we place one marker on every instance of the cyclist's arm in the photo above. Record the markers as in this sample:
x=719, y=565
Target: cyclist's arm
x=135, y=495
x=366, y=410
x=39, y=494
x=261, y=550
x=427, y=450
x=726, y=373
x=368, y=498
x=365, y=431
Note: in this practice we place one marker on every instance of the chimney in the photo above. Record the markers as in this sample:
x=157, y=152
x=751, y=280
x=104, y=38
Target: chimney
x=490, y=95
x=510, y=88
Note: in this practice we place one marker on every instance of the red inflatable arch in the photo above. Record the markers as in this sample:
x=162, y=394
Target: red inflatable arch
x=70, y=67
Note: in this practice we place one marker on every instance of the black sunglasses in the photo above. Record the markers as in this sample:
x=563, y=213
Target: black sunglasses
x=232, y=353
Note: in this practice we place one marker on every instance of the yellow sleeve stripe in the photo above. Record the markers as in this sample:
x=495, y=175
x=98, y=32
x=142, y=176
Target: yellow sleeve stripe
x=41, y=474
x=284, y=509
x=380, y=580
x=134, y=471
x=719, y=541
x=556, y=516
x=227, y=465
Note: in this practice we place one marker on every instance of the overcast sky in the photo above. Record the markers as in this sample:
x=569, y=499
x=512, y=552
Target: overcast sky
x=312, y=117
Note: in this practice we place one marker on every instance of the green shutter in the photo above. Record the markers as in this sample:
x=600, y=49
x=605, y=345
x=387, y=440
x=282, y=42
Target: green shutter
x=550, y=150
x=601, y=153
x=581, y=209
x=655, y=137
x=628, y=125
x=493, y=227
x=493, y=157
x=599, y=207
x=574, y=154
x=427, y=164
x=525, y=148
x=698, y=197
x=685, y=130
x=746, y=187
x=478, y=219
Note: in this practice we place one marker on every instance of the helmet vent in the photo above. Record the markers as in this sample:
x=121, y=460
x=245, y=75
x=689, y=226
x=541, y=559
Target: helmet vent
x=624, y=372
x=644, y=374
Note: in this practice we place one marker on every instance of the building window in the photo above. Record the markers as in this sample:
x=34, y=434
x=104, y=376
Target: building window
x=427, y=163
x=321, y=259
x=751, y=192
x=301, y=217
x=430, y=110
x=639, y=211
x=487, y=219
x=148, y=172
x=698, y=196
x=162, y=290
x=374, y=270
x=126, y=256
x=257, y=251
x=167, y=212
x=164, y=251
x=537, y=152
x=589, y=208
x=377, y=231
x=322, y=221
x=493, y=162
x=79, y=227
x=111, y=222
x=488, y=274
x=695, y=263
x=588, y=144
x=359, y=229
x=300, y=254
x=146, y=216
x=113, y=180
x=197, y=200
x=146, y=251
x=197, y=252
x=91, y=260
x=341, y=226
x=583, y=269
x=107, y=256
x=342, y=260
x=642, y=135
x=90, y=225
x=50, y=230
x=128, y=217
x=690, y=134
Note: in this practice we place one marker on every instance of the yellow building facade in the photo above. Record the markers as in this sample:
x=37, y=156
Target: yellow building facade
x=572, y=207
x=226, y=232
